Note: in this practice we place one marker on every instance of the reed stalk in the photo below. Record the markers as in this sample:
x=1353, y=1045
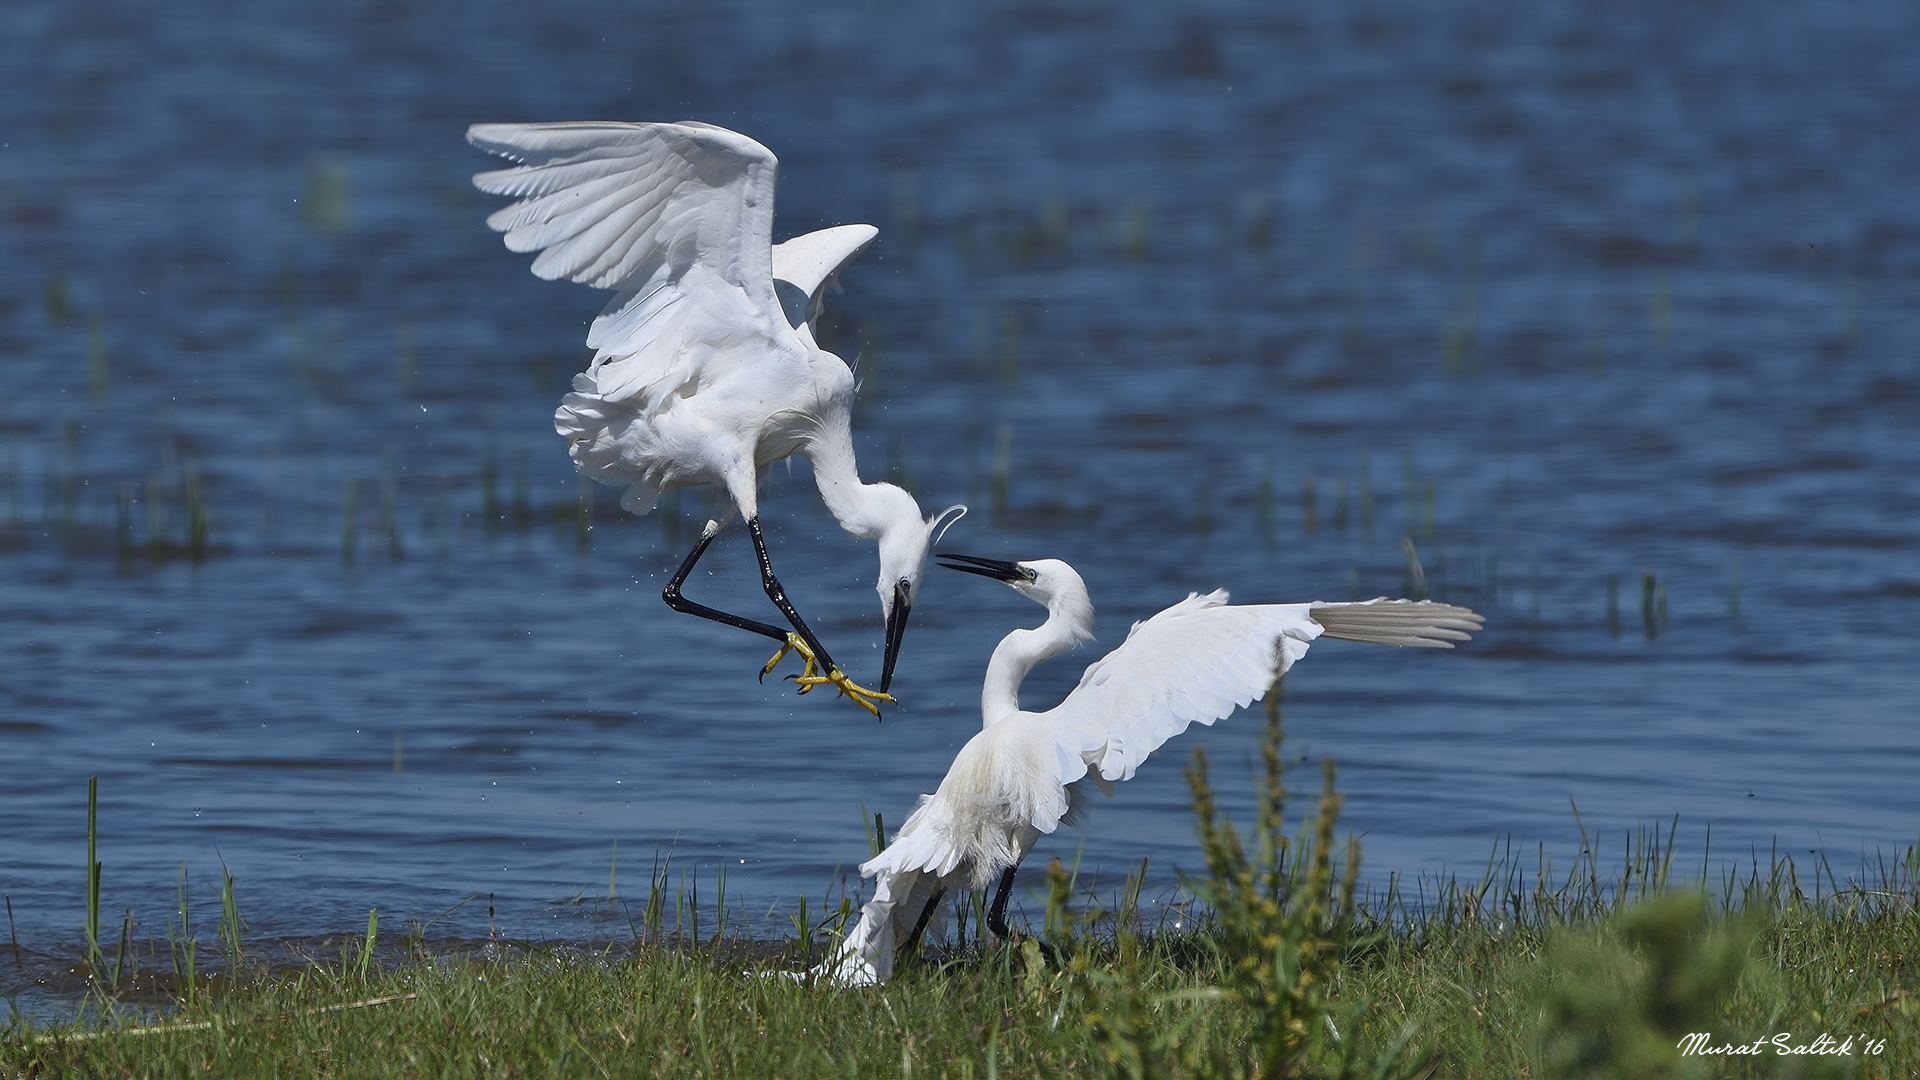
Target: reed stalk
x=94, y=960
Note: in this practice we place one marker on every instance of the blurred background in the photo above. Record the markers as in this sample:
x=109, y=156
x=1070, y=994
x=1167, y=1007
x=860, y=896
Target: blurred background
x=1595, y=319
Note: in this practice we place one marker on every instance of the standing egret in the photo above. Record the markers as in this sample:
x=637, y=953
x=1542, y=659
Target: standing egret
x=705, y=366
x=1024, y=773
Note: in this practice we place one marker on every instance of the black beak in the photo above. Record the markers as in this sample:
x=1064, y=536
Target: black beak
x=997, y=569
x=896, y=629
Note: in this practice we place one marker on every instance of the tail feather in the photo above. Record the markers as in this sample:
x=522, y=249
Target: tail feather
x=598, y=434
x=865, y=956
x=1421, y=623
x=924, y=844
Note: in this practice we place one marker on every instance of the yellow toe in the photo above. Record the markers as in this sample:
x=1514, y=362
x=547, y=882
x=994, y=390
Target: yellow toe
x=810, y=667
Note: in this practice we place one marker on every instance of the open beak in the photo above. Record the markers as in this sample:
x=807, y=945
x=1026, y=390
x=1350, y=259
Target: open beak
x=896, y=629
x=997, y=569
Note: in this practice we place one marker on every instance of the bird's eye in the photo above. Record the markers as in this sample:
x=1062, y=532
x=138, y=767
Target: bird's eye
x=905, y=587
x=1027, y=572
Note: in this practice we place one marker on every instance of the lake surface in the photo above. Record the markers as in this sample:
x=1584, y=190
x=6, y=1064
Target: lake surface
x=1582, y=305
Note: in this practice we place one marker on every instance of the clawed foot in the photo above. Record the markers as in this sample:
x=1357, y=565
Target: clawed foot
x=863, y=697
x=810, y=676
x=795, y=643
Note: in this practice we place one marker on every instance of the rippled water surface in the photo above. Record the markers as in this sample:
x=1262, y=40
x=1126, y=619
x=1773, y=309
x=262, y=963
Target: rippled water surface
x=1611, y=317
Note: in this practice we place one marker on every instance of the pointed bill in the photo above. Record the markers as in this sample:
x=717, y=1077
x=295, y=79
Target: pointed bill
x=997, y=569
x=896, y=630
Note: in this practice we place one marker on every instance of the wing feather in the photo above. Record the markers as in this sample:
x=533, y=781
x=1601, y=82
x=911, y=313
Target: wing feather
x=1201, y=659
x=677, y=219
x=550, y=218
x=1420, y=623
x=808, y=263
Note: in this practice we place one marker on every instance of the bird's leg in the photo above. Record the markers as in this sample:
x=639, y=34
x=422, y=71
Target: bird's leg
x=813, y=652
x=997, y=917
x=997, y=911
x=671, y=594
x=926, y=916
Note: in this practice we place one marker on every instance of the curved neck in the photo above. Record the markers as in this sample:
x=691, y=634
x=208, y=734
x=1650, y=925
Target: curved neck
x=861, y=509
x=1068, y=624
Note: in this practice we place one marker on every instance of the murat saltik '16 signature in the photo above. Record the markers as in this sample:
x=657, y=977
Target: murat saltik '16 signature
x=1700, y=1043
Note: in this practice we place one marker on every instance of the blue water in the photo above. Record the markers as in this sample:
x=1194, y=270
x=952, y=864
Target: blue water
x=1564, y=296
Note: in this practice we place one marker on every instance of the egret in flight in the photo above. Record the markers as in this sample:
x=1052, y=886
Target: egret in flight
x=1026, y=773
x=705, y=367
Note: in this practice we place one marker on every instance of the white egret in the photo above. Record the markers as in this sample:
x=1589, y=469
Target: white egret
x=705, y=366
x=1025, y=773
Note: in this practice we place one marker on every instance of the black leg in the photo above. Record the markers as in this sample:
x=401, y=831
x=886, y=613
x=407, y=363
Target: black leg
x=997, y=912
x=997, y=916
x=926, y=916
x=779, y=597
x=671, y=594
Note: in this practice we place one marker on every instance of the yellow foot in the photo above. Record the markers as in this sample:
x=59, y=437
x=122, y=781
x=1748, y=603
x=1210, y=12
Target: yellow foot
x=861, y=696
x=810, y=668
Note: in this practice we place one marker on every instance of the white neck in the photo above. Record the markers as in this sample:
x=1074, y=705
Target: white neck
x=1069, y=622
x=863, y=510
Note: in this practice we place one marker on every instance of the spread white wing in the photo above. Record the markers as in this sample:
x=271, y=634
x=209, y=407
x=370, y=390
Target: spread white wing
x=676, y=218
x=1194, y=662
x=1199, y=660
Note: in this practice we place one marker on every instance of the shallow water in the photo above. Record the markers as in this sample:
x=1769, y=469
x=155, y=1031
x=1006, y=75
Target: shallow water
x=1564, y=300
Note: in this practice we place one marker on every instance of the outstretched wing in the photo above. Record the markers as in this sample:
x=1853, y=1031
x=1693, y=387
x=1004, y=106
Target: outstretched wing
x=1202, y=658
x=804, y=266
x=676, y=218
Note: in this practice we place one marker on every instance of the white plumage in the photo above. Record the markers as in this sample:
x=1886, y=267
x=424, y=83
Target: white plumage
x=705, y=367
x=1022, y=775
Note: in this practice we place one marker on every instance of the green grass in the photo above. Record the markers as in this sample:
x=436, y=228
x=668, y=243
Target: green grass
x=1477, y=1001
x=1289, y=974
